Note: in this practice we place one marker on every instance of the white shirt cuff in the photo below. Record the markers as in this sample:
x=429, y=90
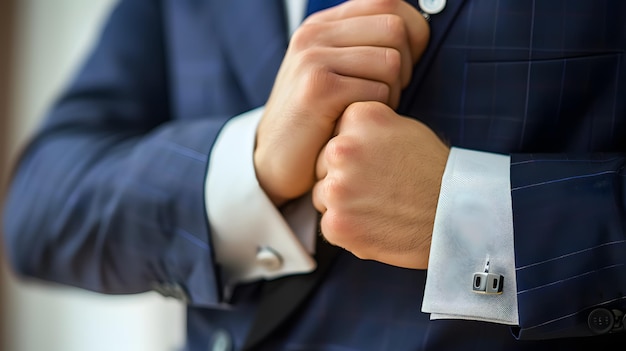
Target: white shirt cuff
x=250, y=236
x=473, y=225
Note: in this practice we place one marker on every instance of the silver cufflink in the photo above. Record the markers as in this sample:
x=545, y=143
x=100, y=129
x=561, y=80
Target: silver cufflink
x=268, y=258
x=487, y=283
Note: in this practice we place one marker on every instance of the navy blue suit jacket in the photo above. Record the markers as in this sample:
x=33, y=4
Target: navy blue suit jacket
x=108, y=195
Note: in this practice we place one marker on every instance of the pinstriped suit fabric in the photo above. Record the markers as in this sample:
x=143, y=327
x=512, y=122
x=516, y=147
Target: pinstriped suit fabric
x=511, y=77
x=124, y=152
x=544, y=80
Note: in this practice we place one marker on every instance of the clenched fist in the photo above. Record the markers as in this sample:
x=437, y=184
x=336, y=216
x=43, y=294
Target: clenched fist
x=362, y=50
x=379, y=181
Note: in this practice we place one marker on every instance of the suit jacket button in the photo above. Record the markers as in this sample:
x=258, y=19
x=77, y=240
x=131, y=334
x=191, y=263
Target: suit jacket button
x=600, y=321
x=221, y=341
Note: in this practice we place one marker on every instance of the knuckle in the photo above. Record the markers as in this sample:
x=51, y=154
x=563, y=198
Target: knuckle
x=310, y=58
x=355, y=110
x=340, y=229
x=316, y=79
x=334, y=225
x=304, y=36
x=359, y=111
x=298, y=40
x=339, y=149
x=367, y=113
x=334, y=190
x=394, y=26
x=393, y=61
x=317, y=84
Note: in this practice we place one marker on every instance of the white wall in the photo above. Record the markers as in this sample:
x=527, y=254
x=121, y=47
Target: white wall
x=52, y=37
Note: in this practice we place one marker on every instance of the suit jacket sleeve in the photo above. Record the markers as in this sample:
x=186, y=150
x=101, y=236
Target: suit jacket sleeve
x=568, y=214
x=108, y=195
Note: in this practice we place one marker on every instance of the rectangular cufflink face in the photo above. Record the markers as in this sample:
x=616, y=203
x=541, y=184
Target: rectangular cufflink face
x=480, y=282
x=487, y=283
x=494, y=283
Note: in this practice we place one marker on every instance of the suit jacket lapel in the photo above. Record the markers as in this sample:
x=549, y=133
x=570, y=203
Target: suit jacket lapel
x=253, y=35
x=439, y=25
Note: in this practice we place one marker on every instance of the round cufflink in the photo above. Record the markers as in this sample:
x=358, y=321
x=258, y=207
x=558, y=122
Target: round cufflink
x=269, y=259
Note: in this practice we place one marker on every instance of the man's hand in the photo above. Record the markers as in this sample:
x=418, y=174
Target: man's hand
x=362, y=50
x=379, y=181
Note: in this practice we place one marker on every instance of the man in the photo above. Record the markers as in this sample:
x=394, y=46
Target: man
x=484, y=147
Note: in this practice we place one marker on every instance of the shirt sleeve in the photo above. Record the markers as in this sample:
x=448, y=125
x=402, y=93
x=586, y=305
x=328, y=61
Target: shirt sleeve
x=471, y=270
x=253, y=239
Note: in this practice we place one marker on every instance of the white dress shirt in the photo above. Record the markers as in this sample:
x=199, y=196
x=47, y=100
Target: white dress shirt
x=253, y=240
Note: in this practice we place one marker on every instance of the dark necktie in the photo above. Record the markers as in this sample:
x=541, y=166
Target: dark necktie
x=318, y=5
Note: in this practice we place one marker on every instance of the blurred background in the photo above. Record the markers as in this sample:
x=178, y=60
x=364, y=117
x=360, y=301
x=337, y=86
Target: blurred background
x=41, y=44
